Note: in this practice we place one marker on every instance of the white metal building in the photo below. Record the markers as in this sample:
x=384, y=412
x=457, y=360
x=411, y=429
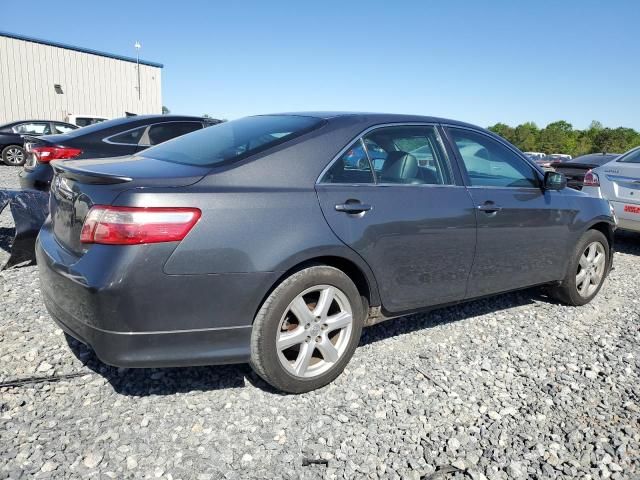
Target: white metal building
x=50, y=81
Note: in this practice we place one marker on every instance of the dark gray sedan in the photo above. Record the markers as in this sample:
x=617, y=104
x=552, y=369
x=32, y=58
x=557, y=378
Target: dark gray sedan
x=257, y=240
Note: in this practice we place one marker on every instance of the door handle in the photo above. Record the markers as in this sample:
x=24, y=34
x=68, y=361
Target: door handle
x=353, y=207
x=489, y=207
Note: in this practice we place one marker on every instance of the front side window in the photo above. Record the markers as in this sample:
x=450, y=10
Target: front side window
x=632, y=157
x=490, y=163
x=33, y=128
x=162, y=132
x=409, y=155
x=233, y=140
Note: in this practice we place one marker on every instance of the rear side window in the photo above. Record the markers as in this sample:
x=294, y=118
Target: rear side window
x=162, y=132
x=352, y=167
x=632, y=157
x=489, y=163
x=411, y=154
x=62, y=128
x=233, y=140
x=131, y=137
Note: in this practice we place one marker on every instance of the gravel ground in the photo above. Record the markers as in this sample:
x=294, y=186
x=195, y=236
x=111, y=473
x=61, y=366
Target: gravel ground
x=514, y=386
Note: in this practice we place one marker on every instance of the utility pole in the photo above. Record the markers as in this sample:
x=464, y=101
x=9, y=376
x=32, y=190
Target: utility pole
x=138, y=47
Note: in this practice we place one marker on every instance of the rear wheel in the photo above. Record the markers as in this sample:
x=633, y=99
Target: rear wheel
x=307, y=330
x=13, y=155
x=587, y=270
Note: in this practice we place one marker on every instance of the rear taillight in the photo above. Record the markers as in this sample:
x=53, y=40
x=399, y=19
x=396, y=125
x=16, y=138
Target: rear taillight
x=591, y=179
x=47, y=154
x=136, y=225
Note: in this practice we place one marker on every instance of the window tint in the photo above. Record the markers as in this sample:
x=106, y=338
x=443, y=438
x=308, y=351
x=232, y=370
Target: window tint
x=409, y=155
x=132, y=137
x=33, y=128
x=632, y=157
x=489, y=163
x=233, y=140
x=162, y=132
x=85, y=121
x=352, y=167
x=62, y=128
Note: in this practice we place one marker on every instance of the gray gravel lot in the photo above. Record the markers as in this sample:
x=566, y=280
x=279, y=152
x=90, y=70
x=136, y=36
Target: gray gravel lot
x=514, y=386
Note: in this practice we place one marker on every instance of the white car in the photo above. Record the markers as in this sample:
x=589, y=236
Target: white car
x=619, y=182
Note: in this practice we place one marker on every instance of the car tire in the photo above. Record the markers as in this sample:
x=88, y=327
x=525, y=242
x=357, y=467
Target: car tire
x=323, y=337
x=585, y=276
x=14, y=155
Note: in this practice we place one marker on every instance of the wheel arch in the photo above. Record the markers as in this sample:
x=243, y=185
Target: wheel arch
x=358, y=271
x=606, y=229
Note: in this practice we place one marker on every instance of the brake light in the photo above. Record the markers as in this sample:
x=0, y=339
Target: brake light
x=591, y=179
x=47, y=154
x=137, y=225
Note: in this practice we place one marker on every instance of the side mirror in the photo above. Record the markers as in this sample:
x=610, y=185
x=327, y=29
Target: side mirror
x=554, y=181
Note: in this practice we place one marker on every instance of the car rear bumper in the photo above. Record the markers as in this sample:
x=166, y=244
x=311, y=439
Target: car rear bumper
x=626, y=220
x=136, y=316
x=38, y=178
x=157, y=349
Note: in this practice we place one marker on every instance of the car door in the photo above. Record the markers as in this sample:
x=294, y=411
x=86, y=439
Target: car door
x=523, y=230
x=415, y=226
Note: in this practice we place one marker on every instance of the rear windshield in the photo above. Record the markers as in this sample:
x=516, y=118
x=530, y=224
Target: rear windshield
x=632, y=157
x=232, y=140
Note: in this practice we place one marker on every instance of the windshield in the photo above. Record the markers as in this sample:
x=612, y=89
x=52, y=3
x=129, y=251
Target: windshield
x=632, y=157
x=232, y=140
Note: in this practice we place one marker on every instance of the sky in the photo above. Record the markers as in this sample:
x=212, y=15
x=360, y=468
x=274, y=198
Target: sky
x=478, y=61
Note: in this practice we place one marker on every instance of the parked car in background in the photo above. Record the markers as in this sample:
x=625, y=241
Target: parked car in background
x=357, y=158
x=112, y=138
x=85, y=120
x=576, y=168
x=619, y=182
x=535, y=156
x=12, y=141
x=258, y=240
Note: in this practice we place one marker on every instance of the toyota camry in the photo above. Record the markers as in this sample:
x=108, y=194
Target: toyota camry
x=260, y=240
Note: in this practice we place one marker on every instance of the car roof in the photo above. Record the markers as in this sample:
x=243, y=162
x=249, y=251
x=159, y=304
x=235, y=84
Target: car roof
x=18, y=122
x=379, y=117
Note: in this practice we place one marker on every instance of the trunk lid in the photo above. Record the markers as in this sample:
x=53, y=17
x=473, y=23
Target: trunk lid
x=622, y=182
x=574, y=172
x=79, y=184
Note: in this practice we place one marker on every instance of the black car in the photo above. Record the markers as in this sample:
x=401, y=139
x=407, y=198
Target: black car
x=263, y=240
x=12, y=137
x=576, y=168
x=113, y=138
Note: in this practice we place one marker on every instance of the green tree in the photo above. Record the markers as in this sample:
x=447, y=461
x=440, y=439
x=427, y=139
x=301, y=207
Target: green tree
x=558, y=137
x=504, y=130
x=526, y=137
x=165, y=110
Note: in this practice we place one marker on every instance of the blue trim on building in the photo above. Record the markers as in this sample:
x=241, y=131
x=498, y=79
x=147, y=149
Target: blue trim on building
x=77, y=49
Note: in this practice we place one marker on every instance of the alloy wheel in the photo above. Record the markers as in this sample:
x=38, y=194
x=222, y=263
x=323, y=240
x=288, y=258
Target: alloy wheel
x=14, y=156
x=314, y=331
x=591, y=269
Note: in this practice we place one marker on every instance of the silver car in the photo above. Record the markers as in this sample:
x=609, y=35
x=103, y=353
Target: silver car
x=619, y=182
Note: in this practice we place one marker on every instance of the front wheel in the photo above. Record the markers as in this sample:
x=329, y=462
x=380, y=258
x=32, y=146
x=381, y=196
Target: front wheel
x=307, y=330
x=14, y=155
x=587, y=270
